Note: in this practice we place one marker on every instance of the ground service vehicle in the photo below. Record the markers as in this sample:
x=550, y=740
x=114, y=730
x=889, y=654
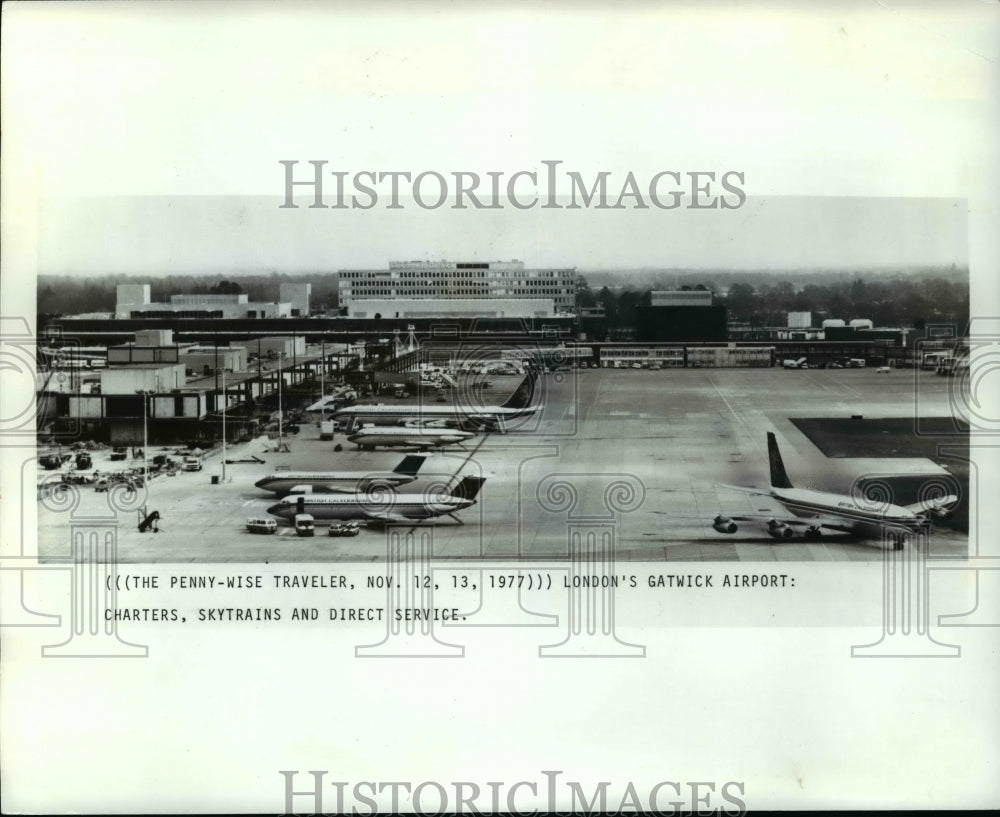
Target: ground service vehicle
x=305, y=525
x=266, y=526
x=795, y=364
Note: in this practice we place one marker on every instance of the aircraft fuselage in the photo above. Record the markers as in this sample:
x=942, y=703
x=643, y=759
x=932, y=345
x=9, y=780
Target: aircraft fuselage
x=807, y=503
x=284, y=481
x=370, y=506
x=419, y=437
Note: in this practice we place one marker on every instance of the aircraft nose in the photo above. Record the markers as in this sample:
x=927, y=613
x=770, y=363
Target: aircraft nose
x=279, y=509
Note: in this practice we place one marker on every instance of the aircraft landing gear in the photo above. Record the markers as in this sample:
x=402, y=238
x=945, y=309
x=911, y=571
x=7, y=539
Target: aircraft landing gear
x=897, y=540
x=813, y=534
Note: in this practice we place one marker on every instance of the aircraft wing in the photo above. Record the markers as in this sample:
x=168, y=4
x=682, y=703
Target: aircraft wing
x=340, y=489
x=743, y=489
x=932, y=504
x=387, y=516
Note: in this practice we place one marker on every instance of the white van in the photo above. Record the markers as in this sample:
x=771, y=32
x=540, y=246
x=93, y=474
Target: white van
x=258, y=525
x=305, y=525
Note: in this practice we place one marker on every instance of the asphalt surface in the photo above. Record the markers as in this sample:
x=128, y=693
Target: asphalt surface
x=633, y=460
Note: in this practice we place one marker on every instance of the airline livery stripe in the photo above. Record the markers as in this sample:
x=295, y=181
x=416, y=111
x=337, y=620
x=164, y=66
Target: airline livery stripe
x=858, y=515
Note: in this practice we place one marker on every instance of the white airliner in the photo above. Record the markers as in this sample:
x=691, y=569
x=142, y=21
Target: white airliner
x=385, y=506
x=817, y=510
x=421, y=438
x=282, y=482
x=517, y=405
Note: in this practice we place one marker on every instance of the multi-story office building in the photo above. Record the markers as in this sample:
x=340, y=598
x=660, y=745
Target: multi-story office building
x=450, y=307
x=451, y=280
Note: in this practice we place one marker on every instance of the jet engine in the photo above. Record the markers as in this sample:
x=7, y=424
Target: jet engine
x=779, y=530
x=723, y=524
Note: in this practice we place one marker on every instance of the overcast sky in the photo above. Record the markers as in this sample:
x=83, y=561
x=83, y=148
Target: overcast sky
x=158, y=235
x=146, y=138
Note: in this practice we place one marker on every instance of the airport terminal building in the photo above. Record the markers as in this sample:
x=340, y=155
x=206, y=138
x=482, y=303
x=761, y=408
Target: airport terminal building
x=446, y=281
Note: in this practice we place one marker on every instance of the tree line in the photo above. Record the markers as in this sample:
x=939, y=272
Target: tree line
x=69, y=295
x=886, y=301
x=759, y=298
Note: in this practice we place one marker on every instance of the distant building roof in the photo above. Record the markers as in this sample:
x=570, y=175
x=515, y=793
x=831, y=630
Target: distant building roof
x=685, y=297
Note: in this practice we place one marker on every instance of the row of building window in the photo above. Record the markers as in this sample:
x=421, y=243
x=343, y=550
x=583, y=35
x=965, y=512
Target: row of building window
x=448, y=274
x=444, y=292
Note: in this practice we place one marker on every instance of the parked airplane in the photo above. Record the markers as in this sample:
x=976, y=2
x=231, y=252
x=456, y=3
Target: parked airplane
x=517, y=405
x=418, y=437
x=817, y=510
x=282, y=482
x=795, y=364
x=383, y=507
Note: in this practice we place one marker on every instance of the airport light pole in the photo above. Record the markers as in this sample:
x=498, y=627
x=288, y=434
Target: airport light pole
x=224, y=401
x=145, y=436
x=260, y=372
x=280, y=378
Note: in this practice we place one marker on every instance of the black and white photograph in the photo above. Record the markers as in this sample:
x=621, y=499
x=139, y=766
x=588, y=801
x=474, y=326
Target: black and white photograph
x=339, y=339
x=458, y=392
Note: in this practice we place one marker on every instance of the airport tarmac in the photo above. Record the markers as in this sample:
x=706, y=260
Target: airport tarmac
x=670, y=440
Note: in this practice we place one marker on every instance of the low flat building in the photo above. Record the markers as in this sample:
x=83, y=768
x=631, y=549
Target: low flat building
x=448, y=308
x=886, y=336
x=130, y=353
x=202, y=358
x=680, y=297
x=279, y=346
x=142, y=376
x=133, y=301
